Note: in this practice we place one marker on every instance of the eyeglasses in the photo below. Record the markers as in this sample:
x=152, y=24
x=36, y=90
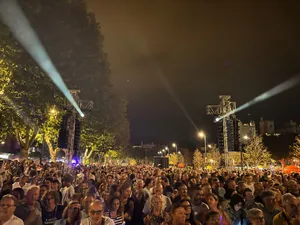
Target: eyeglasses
x=260, y=218
x=96, y=212
x=6, y=205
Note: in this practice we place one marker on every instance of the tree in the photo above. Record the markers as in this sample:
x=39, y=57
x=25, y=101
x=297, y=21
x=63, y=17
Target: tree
x=213, y=157
x=72, y=37
x=256, y=154
x=296, y=148
x=198, y=160
x=26, y=93
x=234, y=158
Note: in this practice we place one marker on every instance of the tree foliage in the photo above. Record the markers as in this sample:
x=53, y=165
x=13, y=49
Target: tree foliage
x=174, y=159
x=295, y=148
x=198, y=160
x=256, y=154
x=26, y=93
x=74, y=42
x=213, y=157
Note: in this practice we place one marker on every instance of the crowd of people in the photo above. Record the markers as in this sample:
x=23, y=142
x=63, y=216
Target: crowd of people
x=57, y=194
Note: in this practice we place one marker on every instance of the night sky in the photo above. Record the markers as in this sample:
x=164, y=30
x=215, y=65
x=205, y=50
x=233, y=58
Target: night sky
x=202, y=49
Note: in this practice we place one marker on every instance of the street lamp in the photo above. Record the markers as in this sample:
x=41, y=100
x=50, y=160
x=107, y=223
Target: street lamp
x=209, y=146
x=201, y=134
x=246, y=137
x=2, y=142
x=175, y=146
x=167, y=149
x=179, y=152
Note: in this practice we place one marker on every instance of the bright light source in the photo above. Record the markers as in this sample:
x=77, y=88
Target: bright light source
x=174, y=145
x=2, y=142
x=210, y=146
x=53, y=111
x=217, y=119
x=246, y=137
x=166, y=148
x=179, y=152
x=201, y=134
x=82, y=115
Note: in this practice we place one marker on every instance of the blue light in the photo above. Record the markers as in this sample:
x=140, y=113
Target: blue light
x=14, y=18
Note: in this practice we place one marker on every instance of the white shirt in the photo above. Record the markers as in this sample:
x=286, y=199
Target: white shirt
x=17, y=185
x=67, y=194
x=14, y=221
x=107, y=221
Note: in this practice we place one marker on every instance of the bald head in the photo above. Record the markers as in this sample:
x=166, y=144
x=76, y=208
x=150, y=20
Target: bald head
x=96, y=210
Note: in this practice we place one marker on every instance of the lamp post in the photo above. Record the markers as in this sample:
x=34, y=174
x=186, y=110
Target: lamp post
x=201, y=134
x=167, y=149
x=175, y=146
x=246, y=138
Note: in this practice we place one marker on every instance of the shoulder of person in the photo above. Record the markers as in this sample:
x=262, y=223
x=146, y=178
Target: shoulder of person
x=17, y=220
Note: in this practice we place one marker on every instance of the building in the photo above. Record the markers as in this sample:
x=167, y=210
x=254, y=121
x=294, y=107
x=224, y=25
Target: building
x=232, y=134
x=290, y=127
x=266, y=127
x=247, y=131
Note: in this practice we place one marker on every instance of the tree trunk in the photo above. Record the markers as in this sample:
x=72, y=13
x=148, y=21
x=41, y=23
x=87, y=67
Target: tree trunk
x=50, y=147
x=24, y=153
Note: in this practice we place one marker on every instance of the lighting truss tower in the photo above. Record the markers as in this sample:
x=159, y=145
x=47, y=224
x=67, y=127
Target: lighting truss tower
x=225, y=106
x=73, y=123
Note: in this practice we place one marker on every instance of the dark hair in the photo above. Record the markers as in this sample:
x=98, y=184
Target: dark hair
x=20, y=191
x=235, y=199
x=268, y=193
x=65, y=212
x=211, y=214
x=48, y=179
x=246, y=190
x=111, y=203
x=53, y=194
x=147, y=181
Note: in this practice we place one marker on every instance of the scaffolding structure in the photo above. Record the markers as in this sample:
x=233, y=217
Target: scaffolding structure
x=220, y=111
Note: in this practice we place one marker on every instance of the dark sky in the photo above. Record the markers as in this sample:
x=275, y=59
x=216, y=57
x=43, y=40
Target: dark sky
x=203, y=49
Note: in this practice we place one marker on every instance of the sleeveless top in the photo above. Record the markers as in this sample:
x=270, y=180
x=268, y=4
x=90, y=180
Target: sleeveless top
x=117, y=220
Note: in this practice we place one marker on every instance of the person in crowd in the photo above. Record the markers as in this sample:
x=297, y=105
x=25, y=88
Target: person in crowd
x=155, y=216
x=293, y=188
x=88, y=199
x=22, y=183
x=30, y=210
x=249, y=182
x=166, y=201
x=259, y=189
x=71, y=214
x=199, y=207
x=249, y=200
x=256, y=217
x=290, y=211
x=68, y=190
x=51, y=210
x=212, y=218
x=269, y=209
x=7, y=208
x=188, y=211
x=128, y=202
x=148, y=185
x=213, y=203
x=19, y=195
x=216, y=187
x=115, y=211
x=236, y=211
x=178, y=216
x=182, y=192
x=96, y=215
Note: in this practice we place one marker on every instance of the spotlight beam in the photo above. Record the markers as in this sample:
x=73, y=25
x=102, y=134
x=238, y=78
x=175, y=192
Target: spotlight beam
x=12, y=15
x=288, y=84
